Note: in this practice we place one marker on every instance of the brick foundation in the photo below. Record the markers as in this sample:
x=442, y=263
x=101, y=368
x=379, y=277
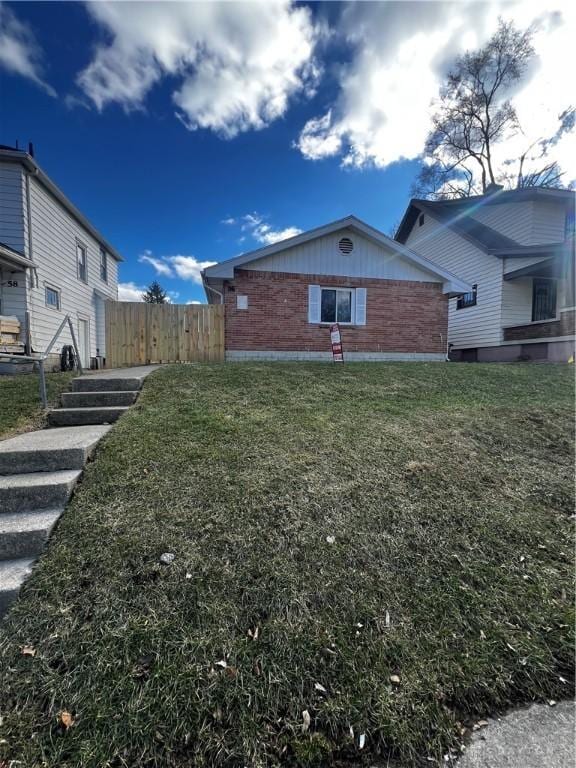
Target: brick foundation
x=401, y=316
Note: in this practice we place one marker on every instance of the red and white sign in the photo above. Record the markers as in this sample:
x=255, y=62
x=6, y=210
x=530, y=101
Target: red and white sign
x=336, y=339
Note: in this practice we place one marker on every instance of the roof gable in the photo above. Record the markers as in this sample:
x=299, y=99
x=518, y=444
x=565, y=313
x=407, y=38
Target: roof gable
x=350, y=224
x=458, y=215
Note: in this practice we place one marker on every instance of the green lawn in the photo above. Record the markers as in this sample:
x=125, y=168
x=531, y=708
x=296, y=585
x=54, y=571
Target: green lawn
x=333, y=527
x=20, y=406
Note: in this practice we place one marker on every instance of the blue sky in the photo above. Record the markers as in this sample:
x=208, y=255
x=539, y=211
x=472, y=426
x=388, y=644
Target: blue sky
x=190, y=132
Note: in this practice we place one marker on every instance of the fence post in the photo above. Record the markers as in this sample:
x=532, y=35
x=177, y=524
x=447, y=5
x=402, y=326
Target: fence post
x=43, y=394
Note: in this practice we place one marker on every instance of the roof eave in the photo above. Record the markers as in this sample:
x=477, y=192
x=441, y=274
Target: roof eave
x=32, y=167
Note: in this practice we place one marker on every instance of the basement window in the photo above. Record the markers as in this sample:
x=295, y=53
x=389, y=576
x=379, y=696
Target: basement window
x=52, y=298
x=467, y=299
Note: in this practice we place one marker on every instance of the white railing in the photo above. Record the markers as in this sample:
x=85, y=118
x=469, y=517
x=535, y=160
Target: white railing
x=40, y=359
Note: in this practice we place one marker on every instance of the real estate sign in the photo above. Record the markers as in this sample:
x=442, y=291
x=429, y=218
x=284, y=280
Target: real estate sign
x=336, y=339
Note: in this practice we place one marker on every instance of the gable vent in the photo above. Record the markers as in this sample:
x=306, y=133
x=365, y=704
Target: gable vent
x=345, y=245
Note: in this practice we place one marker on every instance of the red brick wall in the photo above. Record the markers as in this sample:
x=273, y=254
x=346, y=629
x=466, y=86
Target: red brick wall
x=401, y=316
x=546, y=330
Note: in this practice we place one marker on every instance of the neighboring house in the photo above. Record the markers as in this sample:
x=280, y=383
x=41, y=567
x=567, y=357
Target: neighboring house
x=517, y=249
x=390, y=303
x=53, y=262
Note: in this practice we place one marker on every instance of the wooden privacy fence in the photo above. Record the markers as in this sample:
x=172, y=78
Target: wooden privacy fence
x=137, y=333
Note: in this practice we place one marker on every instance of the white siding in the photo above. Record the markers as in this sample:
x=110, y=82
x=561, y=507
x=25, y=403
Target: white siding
x=13, y=298
x=517, y=301
x=534, y=222
x=322, y=257
x=514, y=220
x=548, y=224
x=54, y=234
x=12, y=228
x=473, y=326
x=511, y=265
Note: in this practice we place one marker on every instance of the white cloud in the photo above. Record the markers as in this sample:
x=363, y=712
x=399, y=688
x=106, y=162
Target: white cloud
x=130, y=292
x=184, y=267
x=160, y=266
x=236, y=64
x=193, y=301
x=263, y=233
x=229, y=221
x=19, y=50
x=400, y=53
x=189, y=268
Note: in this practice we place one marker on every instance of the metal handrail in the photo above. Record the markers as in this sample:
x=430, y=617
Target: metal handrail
x=40, y=360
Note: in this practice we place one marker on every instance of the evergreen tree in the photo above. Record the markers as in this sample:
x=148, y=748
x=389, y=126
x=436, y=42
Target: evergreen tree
x=155, y=294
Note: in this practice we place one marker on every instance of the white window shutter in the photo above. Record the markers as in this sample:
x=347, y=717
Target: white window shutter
x=360, y=306
x=314, y=295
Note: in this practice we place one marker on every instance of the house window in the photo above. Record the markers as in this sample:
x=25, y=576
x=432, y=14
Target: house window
x=467, y=299
x=421, y=220
x=543, y=299
x=52, y=298
x=81, y=261
x=336, y=305
x=103, y=265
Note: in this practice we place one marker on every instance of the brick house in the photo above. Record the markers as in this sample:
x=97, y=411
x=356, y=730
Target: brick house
x=390, y=303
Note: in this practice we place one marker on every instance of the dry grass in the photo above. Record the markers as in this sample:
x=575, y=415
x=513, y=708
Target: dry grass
x=332, y=527
x=20, y=406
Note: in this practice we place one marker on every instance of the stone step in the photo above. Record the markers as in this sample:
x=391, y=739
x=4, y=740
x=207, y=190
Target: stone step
x=24, y=534
x=96, y=399
x=69, y=417
x=49, y=450
x=12, y=575
x=101, y=384
x=36, y=490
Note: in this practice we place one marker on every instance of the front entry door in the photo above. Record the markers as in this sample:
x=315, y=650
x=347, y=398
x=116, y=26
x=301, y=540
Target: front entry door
x=84, y=342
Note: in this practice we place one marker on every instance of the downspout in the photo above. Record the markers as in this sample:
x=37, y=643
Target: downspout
x=33, y=272
x=209, y=288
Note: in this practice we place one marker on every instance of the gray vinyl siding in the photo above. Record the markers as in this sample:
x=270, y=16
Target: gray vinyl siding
x=477, y=326
x=322, y=256
x=517, y=301
x=55, y=234
x=533, y=222
x=12, y=206
x=549, y=223
x=511, y=219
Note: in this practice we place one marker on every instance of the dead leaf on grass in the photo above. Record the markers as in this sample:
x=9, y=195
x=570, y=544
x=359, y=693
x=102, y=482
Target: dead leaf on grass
x=420, y=466
x=65, y=719
x=28, y=650
x=305, y=720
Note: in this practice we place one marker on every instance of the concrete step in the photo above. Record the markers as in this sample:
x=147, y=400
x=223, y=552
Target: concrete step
x=12, y=574
x=69, y=417
x=96, y=399
x=101, y=384
x=24, y=534
x=49, y=450
x=37, y=490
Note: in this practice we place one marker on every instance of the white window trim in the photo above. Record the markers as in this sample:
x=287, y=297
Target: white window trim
x=352, y=291
x=84, y=247
x=103, y=258
x=56, y=291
